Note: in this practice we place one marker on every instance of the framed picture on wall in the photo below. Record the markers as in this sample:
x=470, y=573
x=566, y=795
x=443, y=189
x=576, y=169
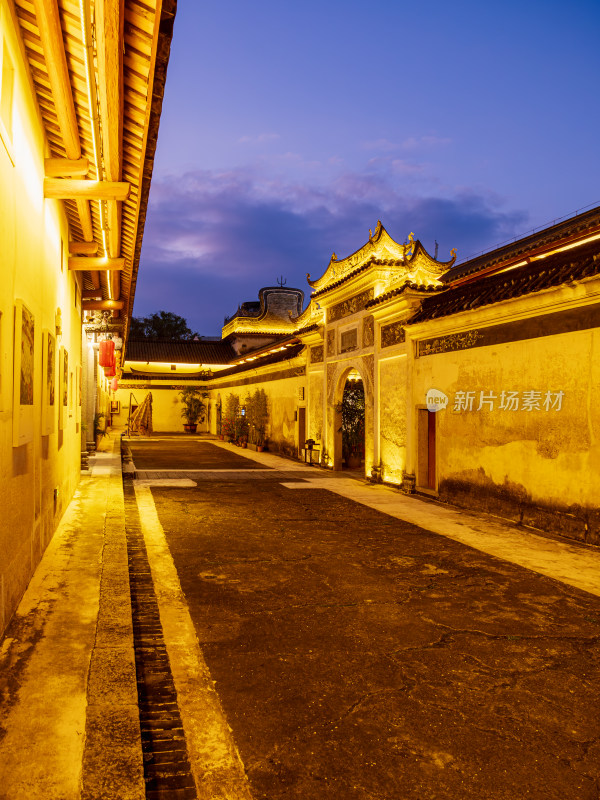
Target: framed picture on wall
x=63, y=390
x=23, y=374
x=71, y=394
x=48, y=382
x=115, y=406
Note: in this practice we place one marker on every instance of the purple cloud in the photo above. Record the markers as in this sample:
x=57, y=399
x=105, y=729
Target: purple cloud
x=213, y=238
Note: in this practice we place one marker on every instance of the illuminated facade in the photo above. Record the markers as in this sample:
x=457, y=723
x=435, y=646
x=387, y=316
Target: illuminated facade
x=480, y=379
x=78, y=126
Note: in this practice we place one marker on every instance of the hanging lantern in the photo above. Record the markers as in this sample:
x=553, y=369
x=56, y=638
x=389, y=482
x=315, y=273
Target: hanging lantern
x=110, y=372
x=114, y=384
x=106, y=353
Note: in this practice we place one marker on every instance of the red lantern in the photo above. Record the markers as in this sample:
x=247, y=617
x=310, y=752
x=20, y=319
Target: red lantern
x=114, y=384
x=106, y=354
x=110, y=372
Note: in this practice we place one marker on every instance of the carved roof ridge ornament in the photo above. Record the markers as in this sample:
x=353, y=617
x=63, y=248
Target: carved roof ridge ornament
x=421, y=269
x=381, y=248
x=313, y=314
x=380, y=245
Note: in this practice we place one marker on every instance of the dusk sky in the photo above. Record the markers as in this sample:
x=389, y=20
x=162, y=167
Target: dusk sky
x=289, y=129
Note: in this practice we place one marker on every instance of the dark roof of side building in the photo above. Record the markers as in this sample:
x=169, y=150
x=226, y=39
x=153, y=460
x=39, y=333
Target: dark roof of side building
x=261, y=361
x=180, y=352
x=576, y=227
x=559, y=268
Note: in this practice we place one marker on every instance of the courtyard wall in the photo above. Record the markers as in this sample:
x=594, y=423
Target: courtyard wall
x=39, y=441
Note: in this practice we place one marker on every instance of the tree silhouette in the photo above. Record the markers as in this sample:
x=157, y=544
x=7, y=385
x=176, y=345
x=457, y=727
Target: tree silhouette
x=161, y=325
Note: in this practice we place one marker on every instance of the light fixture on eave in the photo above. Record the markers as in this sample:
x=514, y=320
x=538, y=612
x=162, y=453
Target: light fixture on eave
x=92, y=98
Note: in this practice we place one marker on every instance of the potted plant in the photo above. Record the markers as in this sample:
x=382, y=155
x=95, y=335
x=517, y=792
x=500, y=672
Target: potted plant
x=257, y=416
x=99, y=429
x=261, y=417
x=232, y=405
x=193, y=408
x=227, y=429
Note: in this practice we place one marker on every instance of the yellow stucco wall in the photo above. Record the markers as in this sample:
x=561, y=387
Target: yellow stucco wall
x=283, y=403
x=392, y=418
x=39, y=477
x=315, y=406
x=166, y=406
x=551, y=456
x=282, y=397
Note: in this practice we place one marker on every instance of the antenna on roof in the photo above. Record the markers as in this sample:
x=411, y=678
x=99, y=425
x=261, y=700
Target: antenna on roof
x=436, y=249
x=281, y=281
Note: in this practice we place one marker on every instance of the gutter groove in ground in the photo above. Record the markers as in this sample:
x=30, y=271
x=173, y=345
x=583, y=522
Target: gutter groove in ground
x=167, y=771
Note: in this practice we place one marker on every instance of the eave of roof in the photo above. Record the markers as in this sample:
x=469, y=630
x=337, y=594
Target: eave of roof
x=146, y=44
x=551, y=272
x=571, y=229
x=307, y=329
x=180, y=352
x=165, y=36
x=274, y=358
x=399, y=290
x=127, y=375
x=378, y=262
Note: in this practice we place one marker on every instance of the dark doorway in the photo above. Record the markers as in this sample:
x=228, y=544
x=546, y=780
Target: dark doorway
x=301, y=430
x=426, y=473
x=353, y=422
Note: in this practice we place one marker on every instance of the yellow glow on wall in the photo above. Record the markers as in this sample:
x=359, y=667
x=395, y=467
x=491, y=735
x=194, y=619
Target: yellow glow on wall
x=164, y=367
x=254, y=325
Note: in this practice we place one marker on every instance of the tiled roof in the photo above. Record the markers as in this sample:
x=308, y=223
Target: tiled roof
x=557, y=269
x=172, y=378
x=180, y=352
x=398, y=290
x=307, y=329
x=372, y=261
x=574, y=227
x=250, y=334
x=272, y=358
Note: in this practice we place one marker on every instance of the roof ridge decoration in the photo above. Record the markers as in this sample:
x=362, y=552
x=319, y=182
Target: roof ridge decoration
x=313, y=314
x=419, y=267
x=270, y=316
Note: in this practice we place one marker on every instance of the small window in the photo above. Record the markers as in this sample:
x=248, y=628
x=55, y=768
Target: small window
x=349, y=340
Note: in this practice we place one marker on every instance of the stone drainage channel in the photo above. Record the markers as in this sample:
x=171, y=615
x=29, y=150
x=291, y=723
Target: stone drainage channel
x=167, y=770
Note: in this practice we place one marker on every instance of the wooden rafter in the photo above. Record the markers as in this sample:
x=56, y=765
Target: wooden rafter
x=109, y=36
x=73, y=189
x=51, y=36
x=100, y=305
x=145, y=30
x=81, y=263
x=63, y=167
x=83, y=248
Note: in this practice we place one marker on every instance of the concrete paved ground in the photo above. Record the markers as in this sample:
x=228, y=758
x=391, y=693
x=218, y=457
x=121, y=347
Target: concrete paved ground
x=321, y=644
x=69, y=722
x=356, y=655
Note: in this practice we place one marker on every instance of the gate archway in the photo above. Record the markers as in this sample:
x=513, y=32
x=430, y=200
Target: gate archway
x=350, y=422
x=352, y=373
